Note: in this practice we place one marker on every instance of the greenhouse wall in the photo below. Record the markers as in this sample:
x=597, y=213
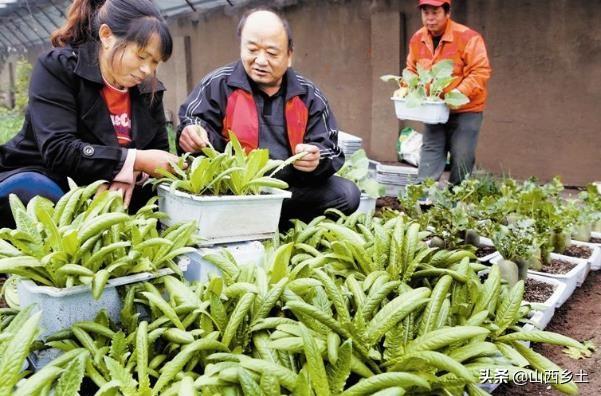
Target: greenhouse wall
x=543, y=113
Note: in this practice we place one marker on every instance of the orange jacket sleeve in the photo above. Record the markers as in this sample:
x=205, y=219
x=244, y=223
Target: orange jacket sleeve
x=477, y=71
x=411, y=59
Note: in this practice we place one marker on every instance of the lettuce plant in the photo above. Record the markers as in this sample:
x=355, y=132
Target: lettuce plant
x=88, y=238
x=18, y=332
x=233, y=172
x=519, y=247
x=428, y=85
x=356, y=169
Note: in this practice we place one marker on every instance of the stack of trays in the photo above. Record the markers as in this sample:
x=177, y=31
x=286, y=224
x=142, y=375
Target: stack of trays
x=349, y=143
x=394, y=178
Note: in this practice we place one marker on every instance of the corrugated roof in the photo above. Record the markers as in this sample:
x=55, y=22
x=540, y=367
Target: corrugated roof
x=171, y=8
x=26, y=23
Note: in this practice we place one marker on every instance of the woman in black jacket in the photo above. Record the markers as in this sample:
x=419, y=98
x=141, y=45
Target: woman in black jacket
x=95, y=106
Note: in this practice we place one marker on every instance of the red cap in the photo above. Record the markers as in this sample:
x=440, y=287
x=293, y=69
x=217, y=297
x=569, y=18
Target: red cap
x=435, y=3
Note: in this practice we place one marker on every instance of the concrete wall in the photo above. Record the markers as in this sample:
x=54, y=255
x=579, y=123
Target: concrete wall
x=544, y=114
x=543, y=118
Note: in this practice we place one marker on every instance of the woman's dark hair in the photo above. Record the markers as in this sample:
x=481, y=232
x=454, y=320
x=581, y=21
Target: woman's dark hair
x=268, y=9
x=131, y=21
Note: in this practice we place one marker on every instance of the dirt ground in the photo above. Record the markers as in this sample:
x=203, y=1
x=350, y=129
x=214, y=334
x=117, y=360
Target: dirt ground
x=579, y=318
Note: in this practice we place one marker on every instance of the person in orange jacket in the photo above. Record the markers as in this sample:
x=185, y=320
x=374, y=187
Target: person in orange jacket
x=442, y=38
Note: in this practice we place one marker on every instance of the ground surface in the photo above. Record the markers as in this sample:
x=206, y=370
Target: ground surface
x=579, y=318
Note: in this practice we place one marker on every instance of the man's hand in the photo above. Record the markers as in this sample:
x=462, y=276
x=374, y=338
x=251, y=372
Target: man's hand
x=193, y=138
x=456, y=91
x=149, y=160
x=310, y=161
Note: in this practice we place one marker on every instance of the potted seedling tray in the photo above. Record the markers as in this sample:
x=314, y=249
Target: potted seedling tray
x=367, y=204
x=349, y=143
x=394, y=178
x=226, y=218
x=594, y=258
x=429, y=112
x=62, y=307
x=246, y=253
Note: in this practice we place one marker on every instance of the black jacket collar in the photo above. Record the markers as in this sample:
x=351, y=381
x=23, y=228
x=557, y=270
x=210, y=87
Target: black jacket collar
x=87, y=62
x=88, y=67
x=239, y=79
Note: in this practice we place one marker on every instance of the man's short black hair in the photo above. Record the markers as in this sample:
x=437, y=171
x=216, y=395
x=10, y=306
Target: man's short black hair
x=268, y=9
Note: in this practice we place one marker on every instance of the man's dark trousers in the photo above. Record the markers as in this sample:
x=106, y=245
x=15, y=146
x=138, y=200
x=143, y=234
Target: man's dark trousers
x=459, y=136
x=311, y=200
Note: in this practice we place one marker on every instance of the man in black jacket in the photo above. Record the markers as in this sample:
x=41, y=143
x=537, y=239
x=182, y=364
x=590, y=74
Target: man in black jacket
x=267, y=104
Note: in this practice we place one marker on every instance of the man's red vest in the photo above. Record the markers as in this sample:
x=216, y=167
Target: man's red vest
x=242, y=119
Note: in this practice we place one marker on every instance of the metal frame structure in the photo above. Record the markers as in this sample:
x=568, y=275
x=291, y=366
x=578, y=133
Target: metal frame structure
x=28, y=23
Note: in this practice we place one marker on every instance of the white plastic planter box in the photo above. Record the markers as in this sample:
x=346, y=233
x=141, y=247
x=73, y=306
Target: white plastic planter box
x=372, y=169
x=61, y=308
x=392, y=190
x=597, y=266
x=583, y=266
x=367, y=204
x=487, y=242
x=595, y=258
x=199, y=269
x=545, y=310
x=541, y=319
x=228, y=218
x=572, y=279
x=488, y=388
x=563, y=290
x=429, y=112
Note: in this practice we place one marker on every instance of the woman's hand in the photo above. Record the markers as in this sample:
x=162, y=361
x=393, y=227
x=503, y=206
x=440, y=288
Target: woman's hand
x=124, y=189
x=149, y=161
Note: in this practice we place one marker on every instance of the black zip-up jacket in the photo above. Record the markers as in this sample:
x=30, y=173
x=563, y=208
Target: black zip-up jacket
x=68, y=129
x=206, y=106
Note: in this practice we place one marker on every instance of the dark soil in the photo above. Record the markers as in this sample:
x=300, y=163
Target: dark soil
x=595, y=240
x=557, y=266
x=387, y=202
x=485, y=251
x=537, y=292
x=578, y=251
x=579, y=318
